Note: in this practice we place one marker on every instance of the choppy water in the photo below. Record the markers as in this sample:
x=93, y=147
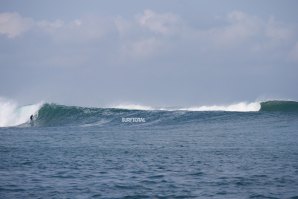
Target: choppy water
x=176, y=154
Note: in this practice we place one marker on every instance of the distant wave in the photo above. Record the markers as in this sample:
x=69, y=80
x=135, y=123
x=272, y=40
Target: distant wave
x=49, y=114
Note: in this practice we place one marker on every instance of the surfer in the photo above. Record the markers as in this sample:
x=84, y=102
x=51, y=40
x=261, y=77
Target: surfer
x=31, y=120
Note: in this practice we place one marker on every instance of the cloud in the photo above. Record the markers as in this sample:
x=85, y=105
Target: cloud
x=158, y=23
x=274, y=36
x=149, y=33
x=241, y=28
x=239, y=31
x=49, y=26
x=278, y=31
x=233, y=30
x=78, y=31
x=12, y=24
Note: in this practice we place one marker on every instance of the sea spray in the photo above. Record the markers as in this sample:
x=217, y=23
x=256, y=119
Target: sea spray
x=238, y=107
x=11, y=114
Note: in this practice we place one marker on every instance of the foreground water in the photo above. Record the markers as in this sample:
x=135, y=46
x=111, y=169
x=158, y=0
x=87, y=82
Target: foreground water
x=188, y=155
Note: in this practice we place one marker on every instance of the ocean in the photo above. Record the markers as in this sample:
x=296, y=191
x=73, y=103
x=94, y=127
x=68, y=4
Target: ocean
x=245, y=150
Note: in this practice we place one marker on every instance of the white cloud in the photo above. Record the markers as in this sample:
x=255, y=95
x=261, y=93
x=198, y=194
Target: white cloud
x=78, y=30
x=148, y=34
x=235, y=31
x=158, y=23
x=50, y=26
x=84, y=29
x=13, y=25
x=239, y=29
x=278, y=31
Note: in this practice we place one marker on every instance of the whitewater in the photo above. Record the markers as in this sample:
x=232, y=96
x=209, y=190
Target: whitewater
x=11, y=114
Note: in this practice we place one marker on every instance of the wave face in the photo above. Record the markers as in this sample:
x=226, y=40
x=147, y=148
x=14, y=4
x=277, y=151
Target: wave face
x=278, y=105
x=54, y=114
x=49, y=114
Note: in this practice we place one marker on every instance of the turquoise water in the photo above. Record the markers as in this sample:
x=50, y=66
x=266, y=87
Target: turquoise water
x=75, y=152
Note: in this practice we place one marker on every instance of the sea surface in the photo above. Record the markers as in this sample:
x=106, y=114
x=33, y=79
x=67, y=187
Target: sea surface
x=78, y=152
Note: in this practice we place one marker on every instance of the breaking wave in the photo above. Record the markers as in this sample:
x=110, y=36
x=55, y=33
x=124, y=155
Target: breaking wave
x=11, y=114
x=49, y=114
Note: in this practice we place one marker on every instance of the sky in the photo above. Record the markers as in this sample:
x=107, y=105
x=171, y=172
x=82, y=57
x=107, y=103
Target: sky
x=157, y=52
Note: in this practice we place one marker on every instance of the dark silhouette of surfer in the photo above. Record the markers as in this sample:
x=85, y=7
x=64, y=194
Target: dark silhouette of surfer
x=31, y=121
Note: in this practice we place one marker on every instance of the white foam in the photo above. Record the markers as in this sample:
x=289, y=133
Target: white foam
x=11, y=114
x=133, y=107
x=238, y=107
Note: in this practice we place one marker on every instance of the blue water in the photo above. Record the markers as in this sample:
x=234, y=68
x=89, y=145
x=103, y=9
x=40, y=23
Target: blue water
x=187, y=155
